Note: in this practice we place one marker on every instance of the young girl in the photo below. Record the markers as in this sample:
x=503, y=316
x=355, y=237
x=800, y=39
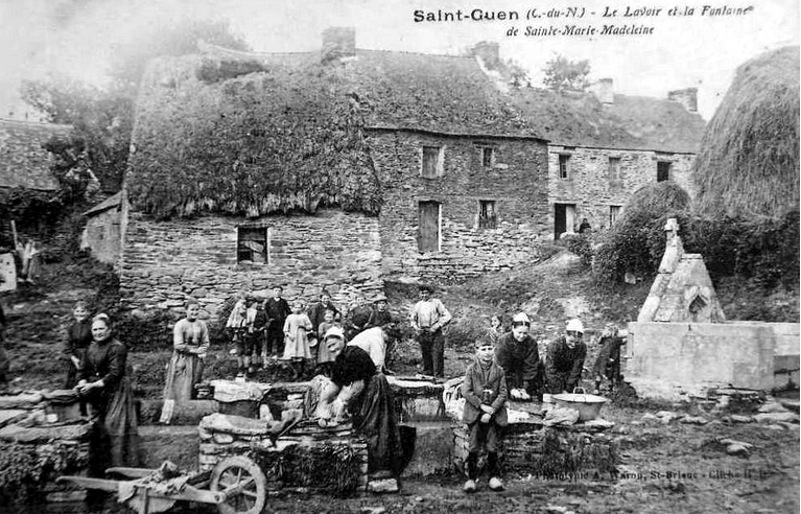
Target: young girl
x=485, y=393
x=237, y=327
x=496, y=328
x=325, y=358
x=79, y=336
x=296, y=340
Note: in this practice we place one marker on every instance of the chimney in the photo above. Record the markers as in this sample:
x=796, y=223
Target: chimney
x=687, y=97
x=488, y=53
x=338, y=43
x=604, y=90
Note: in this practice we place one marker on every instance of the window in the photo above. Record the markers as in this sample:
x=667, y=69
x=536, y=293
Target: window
x=487, y=217
x=563, y=159
x=252, y=245
x=614, y=212
x=662, y=171
x=428, y=237
x=432, y=162
x=614, y=168
x=487, y=156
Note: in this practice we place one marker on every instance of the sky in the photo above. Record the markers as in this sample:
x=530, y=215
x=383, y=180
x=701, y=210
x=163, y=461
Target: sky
x=79, y=37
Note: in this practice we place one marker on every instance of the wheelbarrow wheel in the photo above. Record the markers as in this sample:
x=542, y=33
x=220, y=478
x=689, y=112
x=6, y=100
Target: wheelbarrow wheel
x=244, y=483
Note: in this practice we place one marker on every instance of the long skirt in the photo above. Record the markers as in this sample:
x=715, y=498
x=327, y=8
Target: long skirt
x=184, y=371
x=375, y=419
x=115, y=440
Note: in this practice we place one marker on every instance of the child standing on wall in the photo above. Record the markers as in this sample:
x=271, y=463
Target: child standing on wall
x=296, y=339
x=237, y=326
x=325, y=358
x=485, y=393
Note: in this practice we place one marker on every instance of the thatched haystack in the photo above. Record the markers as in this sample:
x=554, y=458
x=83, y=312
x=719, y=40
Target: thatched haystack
x=748, y=162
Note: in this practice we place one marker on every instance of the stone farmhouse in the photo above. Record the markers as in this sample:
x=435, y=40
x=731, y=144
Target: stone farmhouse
x=604, y=146
x=339, y=168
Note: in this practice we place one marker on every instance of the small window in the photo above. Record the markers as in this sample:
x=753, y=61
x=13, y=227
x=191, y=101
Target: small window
x=563, y=171
x=487, y=156
x=432, y=162
x=487, y=216
x=252, y=245
x=662, y=171
x=614, y=168
x=614, y=212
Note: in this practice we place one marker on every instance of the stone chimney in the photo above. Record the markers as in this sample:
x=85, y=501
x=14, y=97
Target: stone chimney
x=687, y=97
x=488, y=53
x=338, y=43
x=604, y=90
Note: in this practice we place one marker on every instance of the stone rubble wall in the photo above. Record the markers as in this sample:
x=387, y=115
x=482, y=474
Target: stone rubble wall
x=516, y=182
x=593, y=191
x=166, y=262
x=580, y=452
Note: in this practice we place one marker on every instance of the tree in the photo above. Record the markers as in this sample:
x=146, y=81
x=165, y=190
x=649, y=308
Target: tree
x=562, y=74
x=519, y=76
x=103, y=118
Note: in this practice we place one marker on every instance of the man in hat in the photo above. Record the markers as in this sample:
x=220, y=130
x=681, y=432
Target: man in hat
x=429, y=316
x=565, y=359
x=517, y=353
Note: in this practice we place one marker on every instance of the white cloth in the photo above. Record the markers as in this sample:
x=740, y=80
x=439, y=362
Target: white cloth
x=372, y=341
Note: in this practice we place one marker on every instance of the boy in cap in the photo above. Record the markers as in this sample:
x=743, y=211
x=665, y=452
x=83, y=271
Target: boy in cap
x=566, y=359
x=485, y=394
x=429, y=315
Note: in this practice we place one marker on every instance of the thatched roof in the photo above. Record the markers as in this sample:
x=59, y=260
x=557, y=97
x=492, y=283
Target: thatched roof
x=251, y=134
x=630, y=122
x=23, y=160
x=748, y=163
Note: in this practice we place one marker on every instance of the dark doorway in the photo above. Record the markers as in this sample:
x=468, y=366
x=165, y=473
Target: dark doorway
x=563, y=215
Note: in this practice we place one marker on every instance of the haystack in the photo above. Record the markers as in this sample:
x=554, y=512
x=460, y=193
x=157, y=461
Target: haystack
x=748, y=162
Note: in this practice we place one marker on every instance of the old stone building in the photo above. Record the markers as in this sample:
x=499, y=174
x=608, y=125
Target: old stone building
x=604, y=146
x=332, y=169
x=345, y=167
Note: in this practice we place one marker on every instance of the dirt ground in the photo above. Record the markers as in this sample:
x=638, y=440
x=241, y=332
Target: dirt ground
x=666, y=468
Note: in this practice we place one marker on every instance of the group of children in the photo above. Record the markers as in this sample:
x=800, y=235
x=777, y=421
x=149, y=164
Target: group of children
x=261, y=332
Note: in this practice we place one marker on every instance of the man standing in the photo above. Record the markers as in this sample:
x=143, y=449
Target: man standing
x=277, y=309
x=516, y=352
x=566, y=359
x=429, y=316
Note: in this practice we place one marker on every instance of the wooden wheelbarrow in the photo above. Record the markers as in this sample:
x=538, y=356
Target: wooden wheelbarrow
x=236, y=485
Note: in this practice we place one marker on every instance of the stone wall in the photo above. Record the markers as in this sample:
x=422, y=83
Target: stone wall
x=591, y=189
x=165, y=262
x=692, y=357
x=515, y=181
x=102, y=236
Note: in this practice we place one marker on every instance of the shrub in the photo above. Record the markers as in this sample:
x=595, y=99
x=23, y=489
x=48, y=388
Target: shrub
x=636, y=242
x=579, y=244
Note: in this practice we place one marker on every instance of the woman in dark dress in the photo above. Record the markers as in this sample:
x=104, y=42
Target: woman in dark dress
x=105, y=386
x=356, y=387
x=79, y=336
